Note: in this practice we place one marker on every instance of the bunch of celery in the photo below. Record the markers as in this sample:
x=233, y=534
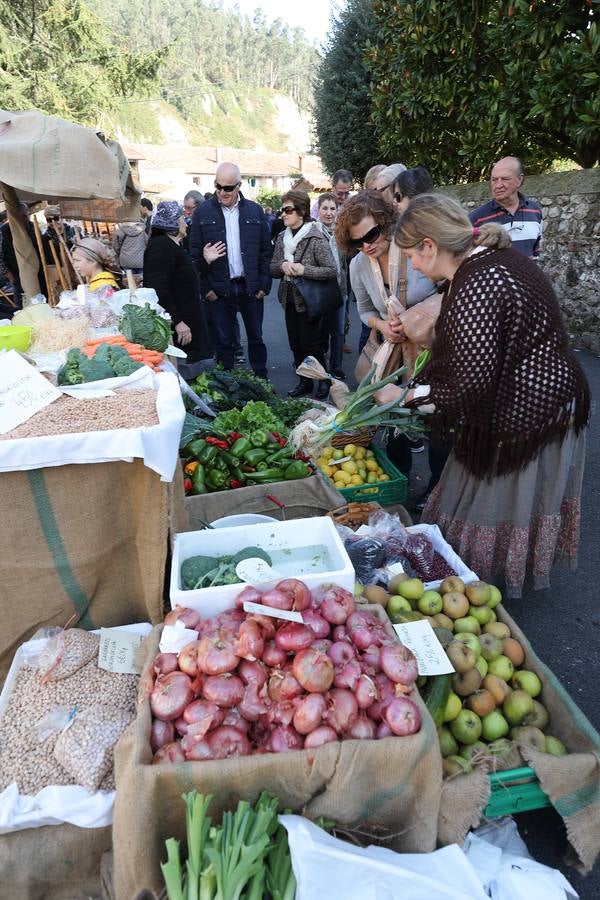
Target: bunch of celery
x=245, y=858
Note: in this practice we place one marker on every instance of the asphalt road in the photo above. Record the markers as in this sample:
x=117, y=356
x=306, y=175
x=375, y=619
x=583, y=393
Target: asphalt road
x=562, y=624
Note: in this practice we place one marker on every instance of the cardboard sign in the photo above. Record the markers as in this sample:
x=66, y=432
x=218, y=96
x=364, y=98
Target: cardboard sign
x=420, y=638
x=261, y=610
x=23, y=391
x=118, y=651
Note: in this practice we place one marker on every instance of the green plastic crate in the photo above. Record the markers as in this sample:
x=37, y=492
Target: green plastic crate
x=384, y=492
x=515, y=791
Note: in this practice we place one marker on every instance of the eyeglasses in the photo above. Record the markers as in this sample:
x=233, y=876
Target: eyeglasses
x=53, y=219
x=228, y=188
x=398, y=197
x=369, y=238
x=288, y=210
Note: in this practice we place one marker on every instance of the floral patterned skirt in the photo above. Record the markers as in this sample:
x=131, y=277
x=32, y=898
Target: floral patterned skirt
x=514, y=528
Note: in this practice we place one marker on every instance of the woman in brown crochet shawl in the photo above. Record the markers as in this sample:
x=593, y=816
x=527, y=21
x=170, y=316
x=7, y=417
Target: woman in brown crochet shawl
x=502, y=375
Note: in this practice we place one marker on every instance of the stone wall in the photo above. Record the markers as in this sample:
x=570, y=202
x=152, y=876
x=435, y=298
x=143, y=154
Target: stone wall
x=570, y=249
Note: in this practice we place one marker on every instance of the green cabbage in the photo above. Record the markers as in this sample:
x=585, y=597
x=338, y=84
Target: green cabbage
x=142, y=325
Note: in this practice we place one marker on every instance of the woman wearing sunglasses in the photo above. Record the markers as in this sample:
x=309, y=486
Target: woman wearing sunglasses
x=301, y=250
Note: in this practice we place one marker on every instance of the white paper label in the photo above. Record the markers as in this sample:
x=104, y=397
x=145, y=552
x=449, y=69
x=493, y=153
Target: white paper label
x=175, y=637
x=23, y=391
x=261, y=610
x=395, y=569
x=420, y=638
x=118, y=650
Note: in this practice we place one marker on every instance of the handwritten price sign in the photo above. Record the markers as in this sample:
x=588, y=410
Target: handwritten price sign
x=23, y=391
x=420, y=638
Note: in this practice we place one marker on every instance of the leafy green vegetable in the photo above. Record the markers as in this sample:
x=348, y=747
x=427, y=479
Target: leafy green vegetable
x=143, y=325
x=107, y=362
x=195, y=568
x=255, y=415
x=193, y=427
x=251, y=553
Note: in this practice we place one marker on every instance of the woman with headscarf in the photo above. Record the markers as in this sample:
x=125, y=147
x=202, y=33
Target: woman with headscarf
x=95, y=262
x=170, y=271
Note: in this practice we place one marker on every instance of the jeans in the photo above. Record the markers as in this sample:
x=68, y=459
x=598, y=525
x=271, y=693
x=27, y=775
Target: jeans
x=224, y=312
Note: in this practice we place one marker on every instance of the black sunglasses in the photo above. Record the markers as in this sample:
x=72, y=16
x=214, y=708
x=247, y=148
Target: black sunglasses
x=53, y=219
x=398, y=197
x=369, y=238
x=289, y=209
x=228, y=188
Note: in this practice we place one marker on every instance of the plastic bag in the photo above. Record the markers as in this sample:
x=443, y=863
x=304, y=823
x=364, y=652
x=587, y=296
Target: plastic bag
x=63, y=652
x=55, y=721
x=414, y=551
x=367, y=555
x=85, y=749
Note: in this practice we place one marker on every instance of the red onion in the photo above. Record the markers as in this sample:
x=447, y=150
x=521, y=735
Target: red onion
x=321, y=644
x=399, y=663
x=324, y=734
x=169, y=753
x=280, y=713
x=364, y=629
x=230, y=619
x=284, y=738
x=371, y=659
x=347, y=676
x=252, y=672
x=188, y=659
x=161, y=733
x=198, y=751
x=253, y=704
x=181, y=726
x=314, y=671
x=385, y=692
x=293, y=637
x=216, y=654
x=341, y=652
x=164, y=663
x=342, y=709
x=298, y=591
x=309, y=713
x=273, y=655
x=362, y=729
x=383, y=731
x=336, y=605
x=227, y=742
x=202, y=712
x=277, y=599
x=250, y=642
x=266, y=624
x=402, y=716
x=224, y=690
x=365, y=692
x=283, y=685
x=185, y=615
x=319, y=626
x=340, y=633
x=237, y=720
x=248, y=595
x=170, y=696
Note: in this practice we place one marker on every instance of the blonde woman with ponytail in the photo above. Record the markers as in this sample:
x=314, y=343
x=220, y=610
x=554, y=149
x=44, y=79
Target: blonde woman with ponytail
x=503, y=377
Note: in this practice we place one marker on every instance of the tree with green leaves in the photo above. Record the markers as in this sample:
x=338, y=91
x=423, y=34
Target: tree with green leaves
x=457, y=85
x=58, y=56
x=342, y=107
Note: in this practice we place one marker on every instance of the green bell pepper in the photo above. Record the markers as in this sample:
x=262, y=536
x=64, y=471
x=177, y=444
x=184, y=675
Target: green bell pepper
x=298, y=469
x=194, y=448
x=266, y=475
x=281, y=453
x=217, y=480
x=229, y=458
x=240, y=446
x=259, y=438
x=198, y=481
x=206, y=454
x=254, y=456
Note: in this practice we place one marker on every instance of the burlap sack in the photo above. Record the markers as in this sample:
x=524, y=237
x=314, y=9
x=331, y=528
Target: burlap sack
x=88, y=541
x=571, y=782
x=305, y=497
x=57, y=862
x=395, y=782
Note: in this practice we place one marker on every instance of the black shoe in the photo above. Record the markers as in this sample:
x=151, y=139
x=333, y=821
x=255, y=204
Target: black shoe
x=304, y=386
x=421, y=503
x=323, y=390
x=341, y=376
x=417, y=446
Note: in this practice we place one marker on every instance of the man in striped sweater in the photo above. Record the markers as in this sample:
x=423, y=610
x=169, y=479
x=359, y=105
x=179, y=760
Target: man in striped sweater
x=521, y=216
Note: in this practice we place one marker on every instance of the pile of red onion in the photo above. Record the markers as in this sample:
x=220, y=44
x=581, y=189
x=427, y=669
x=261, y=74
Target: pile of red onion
x=256, y=683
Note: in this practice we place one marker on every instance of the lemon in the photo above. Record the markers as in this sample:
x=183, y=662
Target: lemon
x=350, y=467
x=363, y=473
x=327, y=470
x=360, y=453
x=369, y=454
x=371, y=465
x=337, y=454
x=322, y=461
x=371, y=478
x=384, y=477
x=349, y=450
x=338, y=475
x=356, y=480
x=327, y=452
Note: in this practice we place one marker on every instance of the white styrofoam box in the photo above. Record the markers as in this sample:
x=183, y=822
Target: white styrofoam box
x=271, y=537
x=444, y=549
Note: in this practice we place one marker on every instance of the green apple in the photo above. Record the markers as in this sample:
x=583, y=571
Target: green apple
x=395, y=580
x=466, y=727
x=477, y=593
x=494, y=616
x=453, y=765
x=555, y=747
x=482, y=666
x=527, y=681
x=471, y=640
x=530, y=736
x=358, y=589
x=448, y=744
x=411, y=589
x=430, y=604
x=502, y=667
x=491, y=647
x=495, y=596
x=498, y=629
x=539, y=717
x=517, y=707
x=397, y=604
x=468, y=751
x=468, y=623
x=483, y=614
x=494, y=726
x=453, y=707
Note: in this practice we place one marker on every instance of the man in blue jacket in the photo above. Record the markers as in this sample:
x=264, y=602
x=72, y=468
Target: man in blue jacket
x=231, y=247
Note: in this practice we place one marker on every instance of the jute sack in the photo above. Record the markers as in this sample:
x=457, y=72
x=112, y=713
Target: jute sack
x=304, y=497
x=571, y=782
x=56, y=862
x=88, y=541
x=394, y=782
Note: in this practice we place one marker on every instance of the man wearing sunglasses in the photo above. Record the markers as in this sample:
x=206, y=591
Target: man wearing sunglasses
x=231, y=247
x=56, y=229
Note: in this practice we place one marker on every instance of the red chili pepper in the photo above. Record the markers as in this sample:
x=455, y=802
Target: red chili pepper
x=234, y=483
x=187, y=484
x=217, y=442
x=282, y=442
x=302, y=456
x=234, y=436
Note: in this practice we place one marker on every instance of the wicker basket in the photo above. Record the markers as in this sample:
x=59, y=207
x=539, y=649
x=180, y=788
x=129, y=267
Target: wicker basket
x=353, y=515
x=361, y=438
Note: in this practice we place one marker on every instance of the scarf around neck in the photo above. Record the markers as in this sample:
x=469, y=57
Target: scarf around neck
x=390, y=302
x=291, y=240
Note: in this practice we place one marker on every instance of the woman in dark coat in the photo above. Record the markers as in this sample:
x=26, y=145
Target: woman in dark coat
x=169, y=270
